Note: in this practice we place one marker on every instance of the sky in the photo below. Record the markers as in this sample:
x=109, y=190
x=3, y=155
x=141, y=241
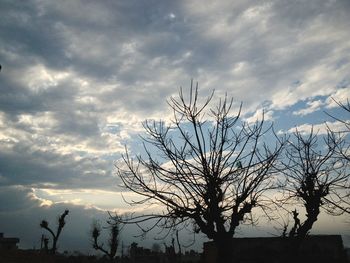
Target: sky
x=79, y=77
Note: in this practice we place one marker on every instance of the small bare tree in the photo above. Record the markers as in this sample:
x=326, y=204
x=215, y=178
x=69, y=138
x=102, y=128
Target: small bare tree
x=61, y=223
x=113, y=241
x=206, y=169
x=315, y=177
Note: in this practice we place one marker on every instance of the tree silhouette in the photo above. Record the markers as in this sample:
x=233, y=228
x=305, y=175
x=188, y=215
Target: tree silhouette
x=207, y=169
x=343, y=145
x=315, y=177
x=346, y=108
x=113, y=242
x=61, y=223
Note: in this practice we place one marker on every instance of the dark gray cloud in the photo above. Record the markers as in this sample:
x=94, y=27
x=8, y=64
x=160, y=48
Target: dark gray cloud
x=16, y=198
x=23, y=165
x=23, y=214
x=16, y=98
x=31, y=36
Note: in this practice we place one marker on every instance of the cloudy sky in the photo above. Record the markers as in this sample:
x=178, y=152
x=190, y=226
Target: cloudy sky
x=78, y=77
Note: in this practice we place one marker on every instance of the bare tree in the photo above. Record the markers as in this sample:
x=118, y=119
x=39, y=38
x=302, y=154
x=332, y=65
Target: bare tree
x=206, y=169
x=113, y=241
x=61, y=223
x=343, y=146
x=315, y=177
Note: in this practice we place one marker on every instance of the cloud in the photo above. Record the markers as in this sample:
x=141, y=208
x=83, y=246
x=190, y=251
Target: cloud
x=17, y=198
x=312, y=107
x=268, y=49
x=341, y=96
x=274, y=61
x=259, y=115
x=26, y=164
x=320, y=129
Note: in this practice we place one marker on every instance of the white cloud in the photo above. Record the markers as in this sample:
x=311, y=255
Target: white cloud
x=312, y=107
x=259, y=115
x=40, y=77
x=340, y=96
x=320, y=129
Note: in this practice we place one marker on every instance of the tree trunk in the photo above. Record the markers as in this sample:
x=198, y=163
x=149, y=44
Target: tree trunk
x=224, y=250
x=295, y=242
x=307, y=226
x=54, y=244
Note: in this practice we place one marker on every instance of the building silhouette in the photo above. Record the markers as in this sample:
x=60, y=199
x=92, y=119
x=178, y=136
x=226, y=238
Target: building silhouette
x=8, y=243
x=318, y=248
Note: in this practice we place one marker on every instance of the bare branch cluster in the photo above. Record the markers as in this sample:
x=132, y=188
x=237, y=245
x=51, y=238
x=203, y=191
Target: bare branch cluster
x=212, y=174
